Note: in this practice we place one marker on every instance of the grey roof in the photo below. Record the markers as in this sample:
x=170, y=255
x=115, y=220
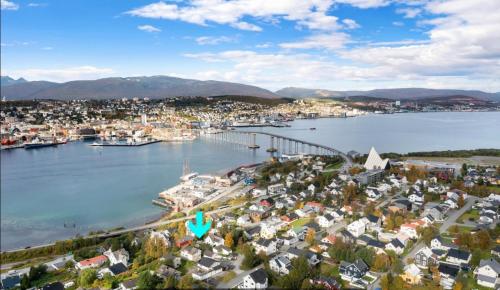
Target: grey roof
x=448, y=269
x=397, y=243
x=10, y=282
x=459, y=254
x=207, y=262
x=264, y=242
x=118, y=268
x=376, y=244
x=492, y=263
x=486, y=279
x=295, y=251
x=53, y=286
x=259, y=276
x=361, y=265
x=130, y=283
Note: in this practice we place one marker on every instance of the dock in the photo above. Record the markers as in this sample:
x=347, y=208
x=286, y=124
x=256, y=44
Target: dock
x=160, y=203
x=134, y=144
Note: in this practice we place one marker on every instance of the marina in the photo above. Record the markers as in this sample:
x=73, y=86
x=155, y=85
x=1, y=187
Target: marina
x=124, y=144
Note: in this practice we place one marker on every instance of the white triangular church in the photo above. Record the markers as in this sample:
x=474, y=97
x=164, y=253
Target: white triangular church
x=375, y=162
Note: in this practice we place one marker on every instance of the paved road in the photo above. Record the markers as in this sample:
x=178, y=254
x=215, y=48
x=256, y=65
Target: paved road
x=451, y=220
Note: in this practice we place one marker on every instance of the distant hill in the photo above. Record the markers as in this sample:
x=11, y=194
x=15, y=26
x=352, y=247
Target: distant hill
x=7, y=81
x=393, y=94
x=153, y=87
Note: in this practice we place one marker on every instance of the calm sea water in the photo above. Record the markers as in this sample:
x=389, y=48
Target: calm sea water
x=101, y=188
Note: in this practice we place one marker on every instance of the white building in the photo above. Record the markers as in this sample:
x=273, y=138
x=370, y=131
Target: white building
x=356, y=228
x=255, y=280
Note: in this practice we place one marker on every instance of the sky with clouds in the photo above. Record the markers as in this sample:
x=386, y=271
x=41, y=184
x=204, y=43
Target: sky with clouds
x=329, y=44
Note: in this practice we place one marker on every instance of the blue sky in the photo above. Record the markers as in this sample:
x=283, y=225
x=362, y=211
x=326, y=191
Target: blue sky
x=330, y=44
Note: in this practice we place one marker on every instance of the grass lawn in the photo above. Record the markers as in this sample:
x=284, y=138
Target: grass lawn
x=474, y=214
x=461, y=229
x=494, y=188
x=300, y=222
x=334, y=166
x=228, y=276
x=329, y=270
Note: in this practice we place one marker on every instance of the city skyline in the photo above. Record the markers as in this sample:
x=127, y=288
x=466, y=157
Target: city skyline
x=339, y=45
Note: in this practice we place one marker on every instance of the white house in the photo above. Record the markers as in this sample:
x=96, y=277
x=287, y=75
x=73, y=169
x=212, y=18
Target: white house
x=373, y=194
x=325, y=221
x=439, y=244
x=396, y=246
x=243, y=220
x=458, y=257
x=116, y=257
x=267, y=246
x=488, y=273
x=191, y=254
x=214, y=240
x=356, y=228
x=280, y=264
x=255, y=280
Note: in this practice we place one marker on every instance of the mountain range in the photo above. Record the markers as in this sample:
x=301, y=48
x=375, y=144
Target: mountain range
x=392, y=94
x=165, y=86
x=152, y=87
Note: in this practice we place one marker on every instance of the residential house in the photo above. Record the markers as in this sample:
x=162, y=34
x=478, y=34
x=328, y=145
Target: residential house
x=353, y=271
x=395, y=245
x=281, y=264
x=330, y=239
x=191, y=254
x=325, y=282
x=409, y=229
x=488, y=273
x=214, y=240
x=222, y=252
x=438, y=243
x=448, y=274
x=129, y=284
x=458, y=257
x=412, y=274
x=255, y=280
x=165, y=272
x=356, y=228
x=378, y=246
x=268, y=246
x=94, y=262
x=113, y=270
x=117, y=257
x=372, y=193
x=346, y=236
x=325, y=221
x=425, y=258
x=206, y=268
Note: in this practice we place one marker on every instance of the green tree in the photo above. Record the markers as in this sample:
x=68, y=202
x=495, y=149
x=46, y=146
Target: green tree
x=87, y=277
x=148, y=281
x=250, y=259
x=300, y=271
x=109, y=282
x=186, y=282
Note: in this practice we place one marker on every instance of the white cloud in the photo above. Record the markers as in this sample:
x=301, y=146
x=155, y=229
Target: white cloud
x=246, y=26
x=148, y=28
x=409, y=12
x=63, y=74
x=331, y=41
x=264, y=45
x=34, y=4
x=47, y=48
x=307, y=13
x=213, y=40
x=398, y=23
x=350, y=24
x=8, y=5
x=365, y=3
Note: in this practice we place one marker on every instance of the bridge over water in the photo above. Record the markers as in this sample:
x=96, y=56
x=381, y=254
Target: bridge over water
x=278, y=144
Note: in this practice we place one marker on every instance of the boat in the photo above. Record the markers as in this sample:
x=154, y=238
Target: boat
x=312, y=128
x=39, y=144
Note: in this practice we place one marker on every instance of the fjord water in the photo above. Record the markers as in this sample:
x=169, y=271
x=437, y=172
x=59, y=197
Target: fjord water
x=101, y=188
x=96, y=187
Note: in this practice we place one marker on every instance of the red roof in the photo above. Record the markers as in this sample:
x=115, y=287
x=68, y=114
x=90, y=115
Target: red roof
x=93, y=261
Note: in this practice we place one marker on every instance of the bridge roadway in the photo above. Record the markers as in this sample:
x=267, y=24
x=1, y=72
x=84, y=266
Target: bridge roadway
x=341, y=154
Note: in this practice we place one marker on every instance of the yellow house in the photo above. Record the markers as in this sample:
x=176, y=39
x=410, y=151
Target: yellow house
x=412, y=274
